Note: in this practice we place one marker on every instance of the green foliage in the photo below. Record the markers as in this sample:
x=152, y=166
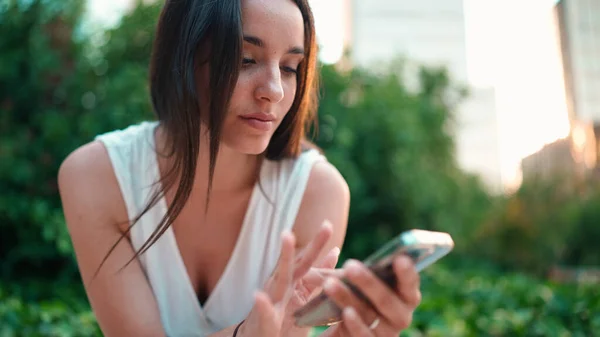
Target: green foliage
x=482, y=301
x=395, y=148
x=582, y=240
x=38, y=88
x=486, y=302
x=477, y=300
x=547, y=222
x=42, y=309
x=58, y=93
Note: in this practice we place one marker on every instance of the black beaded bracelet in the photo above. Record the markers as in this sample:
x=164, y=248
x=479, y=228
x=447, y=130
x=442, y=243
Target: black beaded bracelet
x=237, y=328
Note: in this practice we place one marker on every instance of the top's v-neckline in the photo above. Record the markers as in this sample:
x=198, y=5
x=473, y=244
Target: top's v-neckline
x=180, y=265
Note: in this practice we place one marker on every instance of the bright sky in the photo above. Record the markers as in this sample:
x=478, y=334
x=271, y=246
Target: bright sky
x=510, y=46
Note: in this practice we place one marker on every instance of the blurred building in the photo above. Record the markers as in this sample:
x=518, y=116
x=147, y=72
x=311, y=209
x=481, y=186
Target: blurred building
x=554, y=159
x=428, y=31
x=574, y=155
x=478, y=145
x=578, y=23
x=433, y=33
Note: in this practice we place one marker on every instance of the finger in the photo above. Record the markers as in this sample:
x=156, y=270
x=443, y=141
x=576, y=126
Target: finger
x=343, y=330
x=311, y=252
x=389, y=304
x=354, y=324
x=409, y=288
x=343, y=297
x=282, y=277
x=384, y=328
x=316, y=277
x=331, y=259
x=268, y=323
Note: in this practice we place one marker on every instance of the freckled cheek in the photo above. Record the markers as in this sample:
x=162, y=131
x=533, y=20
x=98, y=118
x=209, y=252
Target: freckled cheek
x=244, y=83
x=242, y=92
x=289, y=92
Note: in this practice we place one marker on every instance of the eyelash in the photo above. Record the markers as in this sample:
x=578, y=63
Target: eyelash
x=289, y=70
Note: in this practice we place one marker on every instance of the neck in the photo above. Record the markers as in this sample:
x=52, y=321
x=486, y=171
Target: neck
x=234, y=171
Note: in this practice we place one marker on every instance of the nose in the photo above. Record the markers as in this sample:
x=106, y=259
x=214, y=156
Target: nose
x=270, y=87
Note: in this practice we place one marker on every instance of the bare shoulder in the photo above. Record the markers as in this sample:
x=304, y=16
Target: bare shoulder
x=326, y=181
x=122, y=300
x=91, y=156
x=327, y=197
x=86, y=181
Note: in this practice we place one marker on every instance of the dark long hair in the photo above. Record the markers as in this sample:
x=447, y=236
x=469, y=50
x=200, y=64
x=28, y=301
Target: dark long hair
x=185, y=29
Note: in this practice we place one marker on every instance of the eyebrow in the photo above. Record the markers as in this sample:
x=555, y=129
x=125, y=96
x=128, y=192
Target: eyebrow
x=259, y=43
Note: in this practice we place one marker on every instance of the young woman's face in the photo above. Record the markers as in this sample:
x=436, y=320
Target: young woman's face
x=272, y=51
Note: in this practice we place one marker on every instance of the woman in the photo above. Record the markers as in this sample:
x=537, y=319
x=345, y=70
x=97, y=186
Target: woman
x=177, y=224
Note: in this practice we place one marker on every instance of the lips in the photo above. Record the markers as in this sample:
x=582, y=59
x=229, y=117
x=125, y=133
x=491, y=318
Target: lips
x=260, y=121
x=261, y=116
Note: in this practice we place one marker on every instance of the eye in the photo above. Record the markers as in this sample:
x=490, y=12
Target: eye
x=290, y=70
x=247, y=61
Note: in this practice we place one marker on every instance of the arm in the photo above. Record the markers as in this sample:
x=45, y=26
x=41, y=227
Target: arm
x=327, y=197
x=123, y=302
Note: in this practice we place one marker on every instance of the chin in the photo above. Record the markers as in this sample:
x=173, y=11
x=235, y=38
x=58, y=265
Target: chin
x=250, y=145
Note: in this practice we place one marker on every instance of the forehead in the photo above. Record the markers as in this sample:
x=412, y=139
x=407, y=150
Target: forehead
x=277, y=22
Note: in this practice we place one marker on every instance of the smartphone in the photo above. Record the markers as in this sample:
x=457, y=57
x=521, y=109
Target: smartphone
x=423, y=247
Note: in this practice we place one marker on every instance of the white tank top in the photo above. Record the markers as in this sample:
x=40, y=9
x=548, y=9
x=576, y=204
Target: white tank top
x=256, y=251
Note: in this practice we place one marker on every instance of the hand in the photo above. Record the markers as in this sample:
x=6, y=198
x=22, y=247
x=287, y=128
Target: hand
x=295, y=279
x=391, y=310
x=310, y=278
x=266, y=316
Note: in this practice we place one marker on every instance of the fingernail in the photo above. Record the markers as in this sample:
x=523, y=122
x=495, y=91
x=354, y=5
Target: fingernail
x=329, y=284
x=404, y=262
x=259, y=295
x=350, y=262
x=284, y=234
x=353, y=267
x=289, y=235
x=336, y=251
x=350, y=312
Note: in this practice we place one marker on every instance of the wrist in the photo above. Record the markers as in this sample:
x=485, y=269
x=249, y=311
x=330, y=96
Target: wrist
x=238, y=328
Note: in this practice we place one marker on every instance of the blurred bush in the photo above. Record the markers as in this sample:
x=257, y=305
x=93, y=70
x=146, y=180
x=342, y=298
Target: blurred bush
x=42, y=309
x=457, y=302
x=484, y=301
x=395, y=147
x=546, y=223
x=58, y=89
